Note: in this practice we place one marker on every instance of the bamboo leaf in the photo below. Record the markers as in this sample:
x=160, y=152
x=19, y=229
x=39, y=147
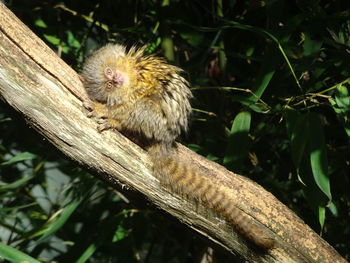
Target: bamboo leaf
x=52, y=227
x=20, y=157
x=237, y=148
x=14, y=185
x=299, y=139
x=318, y=155
x=87, y=254
x=14, y=255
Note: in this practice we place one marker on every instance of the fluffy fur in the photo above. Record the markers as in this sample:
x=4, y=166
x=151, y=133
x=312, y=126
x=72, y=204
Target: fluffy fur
x=146, y=98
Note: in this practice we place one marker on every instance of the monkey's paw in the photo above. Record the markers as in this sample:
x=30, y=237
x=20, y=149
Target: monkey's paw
x=107, y=124
x=99, y=113
x=103, y=124
x=88, y=105
x=94, y=110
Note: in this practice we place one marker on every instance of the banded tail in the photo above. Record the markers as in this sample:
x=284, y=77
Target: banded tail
x=184, y=180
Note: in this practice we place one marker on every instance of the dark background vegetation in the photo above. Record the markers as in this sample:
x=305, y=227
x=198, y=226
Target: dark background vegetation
x=271, y=86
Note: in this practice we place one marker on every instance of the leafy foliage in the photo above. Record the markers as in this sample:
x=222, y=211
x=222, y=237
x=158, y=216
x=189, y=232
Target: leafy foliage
x=271, y=81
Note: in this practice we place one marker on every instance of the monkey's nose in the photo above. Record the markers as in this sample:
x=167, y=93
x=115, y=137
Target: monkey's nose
x=118, y=78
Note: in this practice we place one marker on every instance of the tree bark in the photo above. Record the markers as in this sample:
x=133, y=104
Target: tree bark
x=49, y=94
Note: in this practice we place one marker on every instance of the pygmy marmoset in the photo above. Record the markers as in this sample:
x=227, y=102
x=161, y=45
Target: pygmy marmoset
x=147, y=99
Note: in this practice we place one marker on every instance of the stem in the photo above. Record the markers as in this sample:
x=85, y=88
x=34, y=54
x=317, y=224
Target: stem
x=167, y=41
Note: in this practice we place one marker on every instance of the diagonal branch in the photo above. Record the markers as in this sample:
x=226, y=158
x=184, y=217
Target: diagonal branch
x=49, y=94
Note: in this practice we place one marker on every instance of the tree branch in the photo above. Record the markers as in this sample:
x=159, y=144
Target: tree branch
x=49, y=94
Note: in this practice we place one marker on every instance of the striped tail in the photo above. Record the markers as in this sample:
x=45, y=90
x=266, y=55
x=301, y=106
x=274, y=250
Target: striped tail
x=184, y=180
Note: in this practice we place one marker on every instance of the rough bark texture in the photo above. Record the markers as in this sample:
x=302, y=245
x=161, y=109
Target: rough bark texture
x=49, y=94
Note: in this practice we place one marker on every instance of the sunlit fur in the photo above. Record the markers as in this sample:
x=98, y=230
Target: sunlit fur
x=143, y=95
x=153, y=100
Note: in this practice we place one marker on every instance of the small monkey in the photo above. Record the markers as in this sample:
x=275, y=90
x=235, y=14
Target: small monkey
x=149, y=101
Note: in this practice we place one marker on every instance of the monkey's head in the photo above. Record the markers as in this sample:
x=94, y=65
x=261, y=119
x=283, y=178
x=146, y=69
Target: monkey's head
x=117, y=72
x=108, y=74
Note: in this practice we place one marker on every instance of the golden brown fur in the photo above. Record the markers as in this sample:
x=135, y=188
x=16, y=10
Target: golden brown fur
x=146, y=98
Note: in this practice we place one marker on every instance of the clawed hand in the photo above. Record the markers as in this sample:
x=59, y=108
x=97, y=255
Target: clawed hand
x=101, y=120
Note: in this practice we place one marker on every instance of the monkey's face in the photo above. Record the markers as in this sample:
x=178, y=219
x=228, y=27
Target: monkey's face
x=114, y=78
x=118, y=79
x=119, y=73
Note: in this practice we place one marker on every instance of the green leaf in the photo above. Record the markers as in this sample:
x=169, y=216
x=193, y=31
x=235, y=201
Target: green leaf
x=193, y=38
x=87, y=254
x=311, y=47
x=257, y=107
x=333, y=209
x=299, y=139
x=5, y=119
x=18, y=207
x=52, y=39
x=15, y=184
x=321, y=216
x=72, y=41
x=318, y=155
x=120, y=234
x=291, y=117
x=14, y=255
x=237, y=148
x=195, y=147
x=40, y=23
x=20, y=157
x=261, y=82
x=52, y=227
x=341, y=106
x=342, y=98
x=307, y=141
